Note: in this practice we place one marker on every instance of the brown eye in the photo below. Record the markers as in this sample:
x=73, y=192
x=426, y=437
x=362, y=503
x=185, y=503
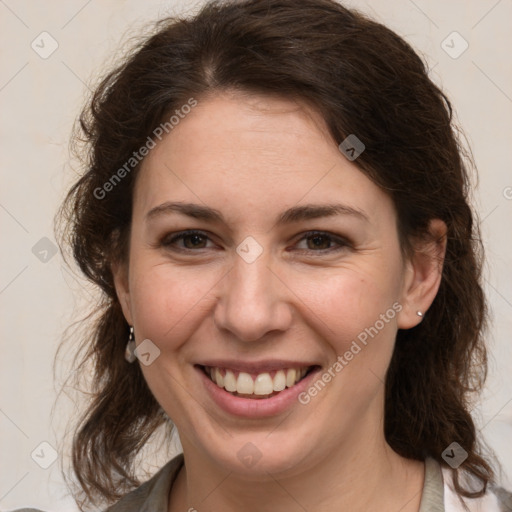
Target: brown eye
x=191, y=240
x=319, y=241
x=195, y=241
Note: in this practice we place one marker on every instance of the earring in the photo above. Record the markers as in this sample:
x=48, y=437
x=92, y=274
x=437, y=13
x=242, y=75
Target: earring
x=129, y=354
x=419, y=313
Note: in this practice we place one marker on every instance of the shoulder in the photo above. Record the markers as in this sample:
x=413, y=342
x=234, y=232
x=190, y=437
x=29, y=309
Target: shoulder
x=153, y=495
x=496, y=499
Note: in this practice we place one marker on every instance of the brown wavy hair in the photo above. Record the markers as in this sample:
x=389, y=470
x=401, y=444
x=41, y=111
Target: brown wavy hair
x=363, y=79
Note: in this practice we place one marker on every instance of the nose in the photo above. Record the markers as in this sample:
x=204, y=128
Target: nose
x=253, y=300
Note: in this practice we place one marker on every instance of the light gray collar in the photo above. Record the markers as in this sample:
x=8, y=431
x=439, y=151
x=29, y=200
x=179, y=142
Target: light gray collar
x=432, y=499
x=152, y=496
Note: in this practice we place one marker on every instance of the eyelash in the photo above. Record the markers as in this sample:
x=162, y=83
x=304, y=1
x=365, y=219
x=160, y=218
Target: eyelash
x=343, y=243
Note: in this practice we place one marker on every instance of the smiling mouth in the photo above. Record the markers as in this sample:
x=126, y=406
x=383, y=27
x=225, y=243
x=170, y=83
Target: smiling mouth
x=256, y=386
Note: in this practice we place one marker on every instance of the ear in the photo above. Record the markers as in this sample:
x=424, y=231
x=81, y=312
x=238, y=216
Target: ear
x=121, y=283
x=423, y=273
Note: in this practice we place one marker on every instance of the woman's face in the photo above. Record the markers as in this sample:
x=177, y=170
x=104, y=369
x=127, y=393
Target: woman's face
x=256, y=293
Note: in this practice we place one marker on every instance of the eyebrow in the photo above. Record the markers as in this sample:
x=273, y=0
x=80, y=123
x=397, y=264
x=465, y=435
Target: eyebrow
x=294, y=214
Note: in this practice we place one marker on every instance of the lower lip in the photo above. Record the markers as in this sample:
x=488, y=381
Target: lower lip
x=255, y=407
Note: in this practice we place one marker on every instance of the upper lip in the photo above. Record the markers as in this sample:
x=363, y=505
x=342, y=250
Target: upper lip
x=256, y=366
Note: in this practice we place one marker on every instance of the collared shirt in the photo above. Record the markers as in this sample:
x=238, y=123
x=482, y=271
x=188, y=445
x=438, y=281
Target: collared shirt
x=438, y=494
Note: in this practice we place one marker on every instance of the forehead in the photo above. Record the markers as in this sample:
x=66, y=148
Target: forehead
x=253, y=155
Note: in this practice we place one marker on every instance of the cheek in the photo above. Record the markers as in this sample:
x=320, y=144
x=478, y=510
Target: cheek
x=166, y=300
x=355, y=314
x=349, y=302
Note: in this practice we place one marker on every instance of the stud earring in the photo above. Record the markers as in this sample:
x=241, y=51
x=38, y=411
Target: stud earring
x=129, y=354
x=419, y=313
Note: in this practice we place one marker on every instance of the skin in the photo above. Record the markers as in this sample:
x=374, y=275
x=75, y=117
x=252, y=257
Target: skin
x=252, y=157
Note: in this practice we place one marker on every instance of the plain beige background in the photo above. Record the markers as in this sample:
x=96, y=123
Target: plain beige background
x=41, y=97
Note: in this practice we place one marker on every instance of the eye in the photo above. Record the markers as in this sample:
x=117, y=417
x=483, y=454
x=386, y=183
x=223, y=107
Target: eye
x=322, y=242
x=316, y=241
x=191, y=239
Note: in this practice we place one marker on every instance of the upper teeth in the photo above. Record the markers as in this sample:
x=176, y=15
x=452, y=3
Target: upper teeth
x=262, y=384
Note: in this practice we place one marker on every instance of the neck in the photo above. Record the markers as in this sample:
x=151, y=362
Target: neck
x=372, y=477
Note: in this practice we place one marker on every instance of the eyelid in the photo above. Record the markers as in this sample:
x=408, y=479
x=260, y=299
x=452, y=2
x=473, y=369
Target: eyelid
x=332, y=236
x=169, y=239
x=340, y=240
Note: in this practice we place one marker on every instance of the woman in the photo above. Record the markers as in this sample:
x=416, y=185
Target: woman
x=275, y=209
